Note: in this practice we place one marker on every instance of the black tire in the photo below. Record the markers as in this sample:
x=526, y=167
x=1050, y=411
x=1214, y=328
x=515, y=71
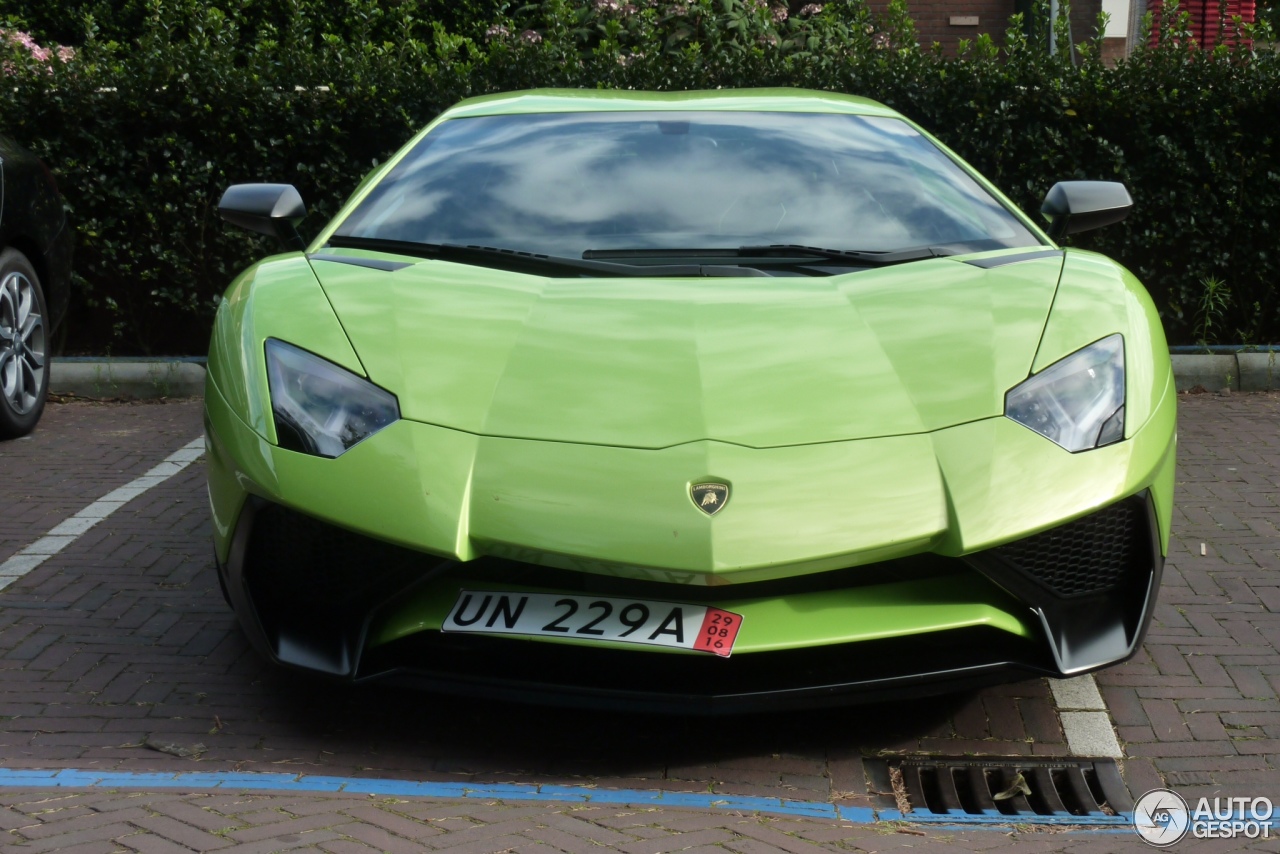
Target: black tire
x=222, y=582
x=24, y=346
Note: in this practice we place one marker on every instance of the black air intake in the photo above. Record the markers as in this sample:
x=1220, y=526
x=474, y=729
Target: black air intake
x=1090, y=582
x=1090, y=555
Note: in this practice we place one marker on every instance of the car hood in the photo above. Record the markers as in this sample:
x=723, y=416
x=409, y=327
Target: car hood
x=652, y=363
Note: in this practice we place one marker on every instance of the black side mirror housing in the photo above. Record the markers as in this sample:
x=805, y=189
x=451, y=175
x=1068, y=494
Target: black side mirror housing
x=273, y=209
x=1075, y=206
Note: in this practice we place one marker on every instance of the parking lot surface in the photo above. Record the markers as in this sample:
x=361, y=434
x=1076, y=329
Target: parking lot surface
x=117, y=654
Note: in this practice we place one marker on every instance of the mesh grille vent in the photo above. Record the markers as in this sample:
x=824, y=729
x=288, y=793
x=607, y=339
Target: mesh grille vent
x=1089, y=555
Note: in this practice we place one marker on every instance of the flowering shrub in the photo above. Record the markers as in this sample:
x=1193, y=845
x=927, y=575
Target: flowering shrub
x=664, y=30
x=22, y=50
x=145, y=136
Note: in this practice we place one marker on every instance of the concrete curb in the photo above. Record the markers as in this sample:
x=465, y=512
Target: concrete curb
x=1236, y=371
x=126, y=378
x=151, y=379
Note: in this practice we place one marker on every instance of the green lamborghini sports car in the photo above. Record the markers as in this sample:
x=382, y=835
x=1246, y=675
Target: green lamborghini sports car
x=697, y=401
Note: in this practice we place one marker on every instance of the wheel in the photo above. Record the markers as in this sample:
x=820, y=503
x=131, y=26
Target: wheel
x=24, y=374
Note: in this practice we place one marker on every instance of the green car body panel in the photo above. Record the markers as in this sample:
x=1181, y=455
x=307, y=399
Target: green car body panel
x=855, y=418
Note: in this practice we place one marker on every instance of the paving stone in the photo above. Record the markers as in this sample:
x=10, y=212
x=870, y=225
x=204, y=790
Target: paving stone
x=123, y=633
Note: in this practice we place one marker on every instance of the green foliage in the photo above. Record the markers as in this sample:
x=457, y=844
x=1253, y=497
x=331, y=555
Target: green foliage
x=165, y=102
x=1215, y=296
x=1270, y=14
x=72, y=21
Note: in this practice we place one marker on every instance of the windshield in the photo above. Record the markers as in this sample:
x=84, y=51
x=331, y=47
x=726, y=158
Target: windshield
x=568, y=183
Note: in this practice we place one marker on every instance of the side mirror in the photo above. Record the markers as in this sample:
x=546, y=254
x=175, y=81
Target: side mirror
x=1075, y=206
x=274, y=209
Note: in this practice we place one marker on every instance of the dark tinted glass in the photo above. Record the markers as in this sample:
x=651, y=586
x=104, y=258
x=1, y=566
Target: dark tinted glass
x=563, y=183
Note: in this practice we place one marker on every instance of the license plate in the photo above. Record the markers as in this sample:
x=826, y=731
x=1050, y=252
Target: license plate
x=556, y=615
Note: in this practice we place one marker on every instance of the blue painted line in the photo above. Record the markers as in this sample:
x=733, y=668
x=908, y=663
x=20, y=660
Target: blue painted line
x=857, y=815
x=239, y=781
x=35, y=778
x=1092, y=820
x=406, y=788
x=215, y=779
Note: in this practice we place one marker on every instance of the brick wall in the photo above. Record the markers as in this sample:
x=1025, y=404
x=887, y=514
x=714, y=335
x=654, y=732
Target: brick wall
x=934, y=19
x=1114, y=49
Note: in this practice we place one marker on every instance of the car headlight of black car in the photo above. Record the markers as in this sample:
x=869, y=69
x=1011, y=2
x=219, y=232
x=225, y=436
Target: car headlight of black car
x=319, y=407
x=1077, y=402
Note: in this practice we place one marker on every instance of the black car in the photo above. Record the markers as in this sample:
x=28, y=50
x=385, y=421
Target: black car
x=35, y=284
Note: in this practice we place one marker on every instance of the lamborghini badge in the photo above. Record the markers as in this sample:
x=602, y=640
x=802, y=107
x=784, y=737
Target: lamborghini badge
x=709, y=497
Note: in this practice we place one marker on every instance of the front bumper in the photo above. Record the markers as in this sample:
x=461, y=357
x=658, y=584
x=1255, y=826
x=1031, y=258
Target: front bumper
x=864, y=570
x=318, y=598
x=939, y=573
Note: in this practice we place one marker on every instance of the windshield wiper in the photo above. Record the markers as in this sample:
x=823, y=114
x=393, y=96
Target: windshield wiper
x=532, y=262
x=782, y=252
x=862, y=256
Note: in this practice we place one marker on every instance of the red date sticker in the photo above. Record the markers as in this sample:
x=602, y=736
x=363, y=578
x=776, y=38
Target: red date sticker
x=719, y=630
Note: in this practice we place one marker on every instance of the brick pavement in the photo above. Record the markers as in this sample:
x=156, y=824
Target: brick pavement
x=106, y=822
x=123, y=639
x=1197, y=708
x=80, y=452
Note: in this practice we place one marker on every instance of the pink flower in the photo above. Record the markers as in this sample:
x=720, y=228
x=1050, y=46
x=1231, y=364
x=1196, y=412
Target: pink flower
x=779, y=14
x=24, y=40
x=810, y=9
x=531, y=37
x=38, y=53
x=607, y=5
x=497, y=31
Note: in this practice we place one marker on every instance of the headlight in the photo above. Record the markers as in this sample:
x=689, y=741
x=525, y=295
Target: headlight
x=1077, y=402
x=320, y=408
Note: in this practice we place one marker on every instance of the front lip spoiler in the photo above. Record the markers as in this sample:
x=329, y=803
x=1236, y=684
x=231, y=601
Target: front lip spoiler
x=506, y=669
x=928, y=684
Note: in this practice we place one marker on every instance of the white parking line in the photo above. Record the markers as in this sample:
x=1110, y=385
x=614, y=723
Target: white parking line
x=1085, y=719
x=69, y=530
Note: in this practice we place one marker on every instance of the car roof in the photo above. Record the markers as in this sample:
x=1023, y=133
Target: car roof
x=779, y=100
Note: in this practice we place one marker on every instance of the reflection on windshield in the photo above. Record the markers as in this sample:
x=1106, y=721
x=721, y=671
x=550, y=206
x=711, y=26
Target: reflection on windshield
x=563, y=183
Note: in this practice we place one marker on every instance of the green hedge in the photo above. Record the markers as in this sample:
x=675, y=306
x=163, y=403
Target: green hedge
x=144, y=137
x=69, y=21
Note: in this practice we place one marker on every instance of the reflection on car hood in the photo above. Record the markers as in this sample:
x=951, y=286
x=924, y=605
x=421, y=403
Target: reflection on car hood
x=652, y=363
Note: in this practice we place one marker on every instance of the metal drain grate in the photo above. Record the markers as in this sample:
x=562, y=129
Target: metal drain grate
x=1089, y=789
